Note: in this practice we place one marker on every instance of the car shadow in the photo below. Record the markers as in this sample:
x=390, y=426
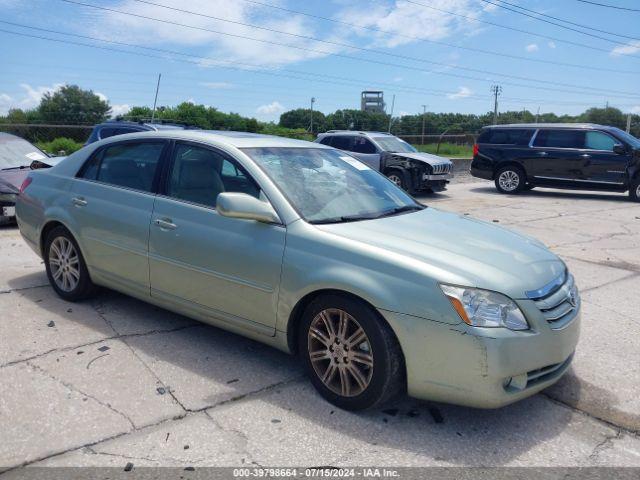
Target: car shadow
x=208, y=358
x=543, y=192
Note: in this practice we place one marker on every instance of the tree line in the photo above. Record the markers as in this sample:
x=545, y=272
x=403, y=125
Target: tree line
x=72, y=105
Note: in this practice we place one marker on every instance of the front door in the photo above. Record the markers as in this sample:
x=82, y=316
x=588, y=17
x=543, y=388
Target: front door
x=602, y=165
x=113, y=201
x=225, y=267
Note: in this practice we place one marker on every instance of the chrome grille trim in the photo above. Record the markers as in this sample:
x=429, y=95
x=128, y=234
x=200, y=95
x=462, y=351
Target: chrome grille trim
x=440, y=169
x=560, y=303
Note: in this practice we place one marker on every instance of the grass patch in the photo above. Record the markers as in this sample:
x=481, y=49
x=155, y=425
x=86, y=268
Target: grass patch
x=447, y=150
x=59, y=146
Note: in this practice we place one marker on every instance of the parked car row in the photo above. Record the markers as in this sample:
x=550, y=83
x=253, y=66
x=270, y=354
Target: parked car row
x=305, y=248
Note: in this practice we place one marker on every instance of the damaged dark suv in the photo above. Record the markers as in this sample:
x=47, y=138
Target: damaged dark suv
x=406, y=167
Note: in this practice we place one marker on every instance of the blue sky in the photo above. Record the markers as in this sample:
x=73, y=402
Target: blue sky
x=442, y=53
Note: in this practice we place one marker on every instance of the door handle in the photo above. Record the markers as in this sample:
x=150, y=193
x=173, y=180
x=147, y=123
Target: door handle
x=543, y=154
x=165, y=223
x=79, y=201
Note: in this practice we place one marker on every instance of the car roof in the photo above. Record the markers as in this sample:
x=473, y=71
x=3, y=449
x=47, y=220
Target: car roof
x=585, y=126
x=233, y=138
x=355, y=132
x=151, y=125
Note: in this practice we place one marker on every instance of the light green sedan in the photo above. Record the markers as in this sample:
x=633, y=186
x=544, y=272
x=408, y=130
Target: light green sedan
x=304, y=248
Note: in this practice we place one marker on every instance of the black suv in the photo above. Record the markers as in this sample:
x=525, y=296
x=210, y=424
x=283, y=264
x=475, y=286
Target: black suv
x=111, y=128
x=572, y=156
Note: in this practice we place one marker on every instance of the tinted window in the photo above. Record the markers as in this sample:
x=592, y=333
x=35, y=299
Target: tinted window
x=131, y=165
x=560, y=139
x=363, y=145
x=342, y=142
x=506, y=136
x=111, y=131
x=599, y=141
x=199, y=175
x=326, y=141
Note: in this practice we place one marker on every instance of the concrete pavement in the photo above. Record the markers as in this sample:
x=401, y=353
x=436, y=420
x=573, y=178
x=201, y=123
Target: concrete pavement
x=113, y=380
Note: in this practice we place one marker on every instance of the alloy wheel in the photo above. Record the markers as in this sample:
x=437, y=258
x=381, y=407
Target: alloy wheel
x=64, y=263
x=340, y=352
x=509, y=180
x=395, y=179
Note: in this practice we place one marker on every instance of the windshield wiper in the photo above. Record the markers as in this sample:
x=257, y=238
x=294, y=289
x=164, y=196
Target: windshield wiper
x=367, y=216
x=15, y=168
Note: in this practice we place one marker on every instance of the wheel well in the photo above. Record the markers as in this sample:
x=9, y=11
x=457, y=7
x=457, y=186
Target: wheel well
x=45, y=231
x=296, y=314
x=509, y=164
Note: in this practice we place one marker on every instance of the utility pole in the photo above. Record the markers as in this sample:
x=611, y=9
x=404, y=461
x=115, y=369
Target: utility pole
x=155, y=100
x=393, y=102
x=496, y=90
x=424, y=116
x=313, y=100
x=628, y=123
x=537, y=114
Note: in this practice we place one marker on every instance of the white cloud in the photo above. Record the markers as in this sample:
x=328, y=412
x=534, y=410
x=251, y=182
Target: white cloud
x=551, y=44
x=628, y=49
x=406, y=20
x=5, y=103
x=217, y=85
x=398, y=79
x=271, y=108
x=636, y=109
x=229, y=49
x=120, y=109
x=532, y=47
x=463, y=92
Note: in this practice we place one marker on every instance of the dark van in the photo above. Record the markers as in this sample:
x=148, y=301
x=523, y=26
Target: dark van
x=568, y=156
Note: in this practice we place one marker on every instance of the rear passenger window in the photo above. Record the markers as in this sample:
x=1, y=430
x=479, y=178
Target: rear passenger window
x=363, y=145
x=599, y=141
x=342, y=142
x=506, y=136
x=326, y=141
x=560, y=139
x=130, y=165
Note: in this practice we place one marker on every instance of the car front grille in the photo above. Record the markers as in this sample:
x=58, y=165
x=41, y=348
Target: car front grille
x=441, y=169
x=560, y=303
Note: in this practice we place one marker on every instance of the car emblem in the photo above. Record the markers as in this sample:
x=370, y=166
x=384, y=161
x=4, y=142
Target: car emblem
x=573, y=297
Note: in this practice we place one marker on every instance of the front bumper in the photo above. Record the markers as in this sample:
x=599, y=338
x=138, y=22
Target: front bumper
x=483, y=367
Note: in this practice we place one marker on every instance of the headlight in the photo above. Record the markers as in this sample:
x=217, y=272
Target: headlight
x=483, y=308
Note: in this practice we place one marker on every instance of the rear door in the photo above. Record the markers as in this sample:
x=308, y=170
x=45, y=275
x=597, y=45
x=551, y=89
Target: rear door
x=226, y=268
x=557, y=156
x=602, y=165
x=112, y=200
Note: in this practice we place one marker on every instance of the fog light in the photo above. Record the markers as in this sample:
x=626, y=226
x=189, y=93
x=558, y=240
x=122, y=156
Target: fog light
x=516, y=383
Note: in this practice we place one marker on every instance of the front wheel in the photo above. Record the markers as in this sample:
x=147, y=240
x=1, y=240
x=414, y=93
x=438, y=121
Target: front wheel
x=510, y=179
x=350, y=354
x=400, y=179
x=634, y=191
x=66, y=268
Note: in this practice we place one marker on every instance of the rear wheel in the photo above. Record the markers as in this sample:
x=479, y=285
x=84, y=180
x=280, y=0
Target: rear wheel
x=634, y=191
x=351, y=355
x=510, y=179
x=66, y=268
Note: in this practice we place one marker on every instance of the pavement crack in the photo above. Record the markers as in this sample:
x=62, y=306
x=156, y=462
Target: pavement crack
x=72, y=388
x=605, y=444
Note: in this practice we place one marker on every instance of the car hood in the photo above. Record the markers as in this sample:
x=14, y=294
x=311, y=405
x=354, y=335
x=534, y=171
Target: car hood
x=459, y=250
x=423, y=157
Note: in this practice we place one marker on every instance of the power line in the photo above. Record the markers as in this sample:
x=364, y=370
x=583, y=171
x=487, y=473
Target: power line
x=307, y=76
x=610, y=6
x=411, y=37
x=514, y=29
x=536, y=15
x=351, y=57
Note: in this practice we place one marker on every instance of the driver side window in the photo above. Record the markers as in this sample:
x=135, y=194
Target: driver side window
x=199, y=175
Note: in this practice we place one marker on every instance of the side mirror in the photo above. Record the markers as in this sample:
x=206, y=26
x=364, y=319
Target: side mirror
x=241, y=205
x=619, y=149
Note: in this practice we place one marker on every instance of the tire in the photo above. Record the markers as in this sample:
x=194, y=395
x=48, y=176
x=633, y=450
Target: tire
x=510, y=179
x=374, y=353
x=400, y=179
x=66, y=268
x=634, y=191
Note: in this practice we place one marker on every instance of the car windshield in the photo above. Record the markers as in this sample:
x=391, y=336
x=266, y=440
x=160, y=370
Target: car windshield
x=633, y=141
x=394, y=144
x=328, y=186
x=16, y=152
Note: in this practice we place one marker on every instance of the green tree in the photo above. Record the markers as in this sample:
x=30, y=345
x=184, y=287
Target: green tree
x=71, y=104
